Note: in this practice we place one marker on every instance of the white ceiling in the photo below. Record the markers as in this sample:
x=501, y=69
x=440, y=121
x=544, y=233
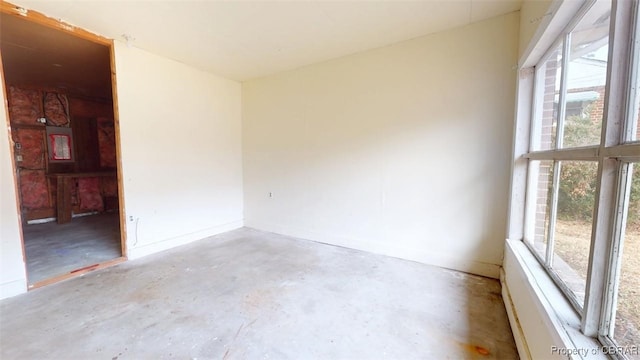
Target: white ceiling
x=248, y=39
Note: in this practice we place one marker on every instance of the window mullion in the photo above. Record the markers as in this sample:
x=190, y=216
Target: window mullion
x=604, y=233
x=521, y=213
x=566, y=46
x=553, y=212
x=535, y=114
x=613, y=269
x=601, y=239
x=590, y=153
x=634, y=78
x=627, y=152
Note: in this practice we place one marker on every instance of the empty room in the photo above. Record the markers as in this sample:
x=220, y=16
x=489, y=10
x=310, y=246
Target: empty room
x=320, y=179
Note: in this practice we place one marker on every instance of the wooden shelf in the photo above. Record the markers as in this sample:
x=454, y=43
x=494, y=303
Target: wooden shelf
x=83, y=174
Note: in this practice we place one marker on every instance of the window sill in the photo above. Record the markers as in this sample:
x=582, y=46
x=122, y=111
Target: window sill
x=536, y=303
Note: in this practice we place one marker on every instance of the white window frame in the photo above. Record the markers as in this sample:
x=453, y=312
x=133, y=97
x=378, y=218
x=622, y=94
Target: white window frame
x=613, y=154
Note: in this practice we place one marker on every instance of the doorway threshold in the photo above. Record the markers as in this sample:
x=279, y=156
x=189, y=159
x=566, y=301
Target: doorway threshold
x=77, y=273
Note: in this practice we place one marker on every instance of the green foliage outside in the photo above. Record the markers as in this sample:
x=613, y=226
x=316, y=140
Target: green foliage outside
x=633, y=219
x=576, y=195
x=577, y=190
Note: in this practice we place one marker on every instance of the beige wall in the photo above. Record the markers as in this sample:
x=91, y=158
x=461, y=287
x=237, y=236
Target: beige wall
x=12, y=271
x=181, y=151
x=402, y=151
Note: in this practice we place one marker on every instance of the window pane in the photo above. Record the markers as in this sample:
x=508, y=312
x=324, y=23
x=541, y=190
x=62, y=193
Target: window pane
x=635, y=117
x=627, y=323
x=542, y=175
x=572, y=235
x=633, y=130
x=633, y=133
x=586, y=78
x=548, y=85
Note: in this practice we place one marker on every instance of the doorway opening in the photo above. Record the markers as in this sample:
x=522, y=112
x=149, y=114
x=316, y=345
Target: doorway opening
x=64, y=132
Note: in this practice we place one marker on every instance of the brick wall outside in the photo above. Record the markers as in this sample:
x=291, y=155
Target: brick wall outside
x=548, y=122
x=546, y=142
x=597, y=112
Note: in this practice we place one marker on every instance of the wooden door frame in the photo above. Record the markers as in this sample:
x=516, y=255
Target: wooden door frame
x=41, y=19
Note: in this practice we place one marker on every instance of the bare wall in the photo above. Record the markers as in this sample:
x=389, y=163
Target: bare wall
x=13, y=278
x=402, y=150
x=181, y=151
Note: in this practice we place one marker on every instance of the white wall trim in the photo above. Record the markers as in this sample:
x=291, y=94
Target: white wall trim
x=148, y=249
x=516, y=327
x=13, y=288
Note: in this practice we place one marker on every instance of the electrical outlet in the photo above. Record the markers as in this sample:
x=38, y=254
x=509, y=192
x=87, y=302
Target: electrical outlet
x=18, y=158
x=18, y=146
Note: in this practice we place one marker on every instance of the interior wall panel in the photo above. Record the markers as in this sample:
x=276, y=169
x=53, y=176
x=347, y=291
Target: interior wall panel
x=402, y=151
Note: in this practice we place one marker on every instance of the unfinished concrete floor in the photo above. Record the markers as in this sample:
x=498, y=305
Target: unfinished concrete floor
x=54, y=249
x=248, y=294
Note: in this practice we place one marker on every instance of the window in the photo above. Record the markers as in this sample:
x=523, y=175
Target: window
x=578, y=165
x=625, y=315
x=60, y=144
x=570, y=105
x=60, y=147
